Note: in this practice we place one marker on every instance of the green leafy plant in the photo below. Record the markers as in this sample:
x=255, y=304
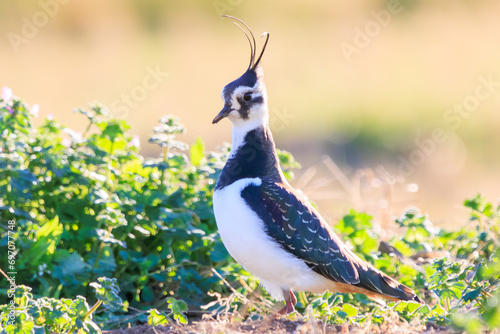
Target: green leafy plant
x=26, y=314
x=79, y=206
x=178, y=309
x=86, y=205
x=460, y=286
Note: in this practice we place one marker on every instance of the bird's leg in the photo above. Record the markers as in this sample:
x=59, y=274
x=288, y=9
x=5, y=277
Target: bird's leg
x=292, y=297
x=290, y=301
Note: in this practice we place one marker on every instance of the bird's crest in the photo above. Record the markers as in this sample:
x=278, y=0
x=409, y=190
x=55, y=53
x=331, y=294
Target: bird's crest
x=251, y=40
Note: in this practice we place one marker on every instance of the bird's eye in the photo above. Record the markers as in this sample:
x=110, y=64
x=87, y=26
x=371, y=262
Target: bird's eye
x=247, y=97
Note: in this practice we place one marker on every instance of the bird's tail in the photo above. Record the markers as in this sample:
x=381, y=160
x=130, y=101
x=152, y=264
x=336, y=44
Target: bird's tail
x=377, y=284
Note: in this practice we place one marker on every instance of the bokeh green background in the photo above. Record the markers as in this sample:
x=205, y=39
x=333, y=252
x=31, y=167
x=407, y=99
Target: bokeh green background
x=365, y=113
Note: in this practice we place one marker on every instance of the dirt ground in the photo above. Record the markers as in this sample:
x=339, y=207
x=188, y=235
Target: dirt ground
x=278, y=326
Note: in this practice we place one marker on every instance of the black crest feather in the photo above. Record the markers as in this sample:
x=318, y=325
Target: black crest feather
x=251, y=40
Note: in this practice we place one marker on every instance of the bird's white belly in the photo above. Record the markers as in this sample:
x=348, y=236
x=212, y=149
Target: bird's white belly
x=243, y=234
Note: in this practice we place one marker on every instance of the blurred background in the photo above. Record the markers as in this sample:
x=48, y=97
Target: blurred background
x=386, y=104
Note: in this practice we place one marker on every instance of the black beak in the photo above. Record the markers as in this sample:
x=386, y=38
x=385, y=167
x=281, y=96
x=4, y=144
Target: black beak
x=223, y=113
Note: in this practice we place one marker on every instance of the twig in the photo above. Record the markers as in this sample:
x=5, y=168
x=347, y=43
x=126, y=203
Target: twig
x=344, y=181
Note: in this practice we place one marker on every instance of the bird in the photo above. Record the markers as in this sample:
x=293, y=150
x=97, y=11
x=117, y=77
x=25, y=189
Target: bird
x=266, y=225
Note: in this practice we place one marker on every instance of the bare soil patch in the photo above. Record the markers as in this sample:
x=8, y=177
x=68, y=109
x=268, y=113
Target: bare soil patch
x=278, y=326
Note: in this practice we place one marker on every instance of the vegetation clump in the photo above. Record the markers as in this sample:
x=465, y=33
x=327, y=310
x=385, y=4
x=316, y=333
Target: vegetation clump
x=89, y=221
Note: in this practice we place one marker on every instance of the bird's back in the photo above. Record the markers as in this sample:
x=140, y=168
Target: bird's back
x=300, y=230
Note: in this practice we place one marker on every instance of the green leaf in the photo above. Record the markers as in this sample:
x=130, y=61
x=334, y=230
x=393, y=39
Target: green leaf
x=401, y=306
x=47, y=239
x=108, y=238
x=71, y=268
x=472, y=295
x=156, y=318
x=342, y=314
x=92, y=327
x=22, y=295
x=438, y=310
x=197, y=152
x=164, y=133
x=79, y=307
x=167, y=141
x=412, y=306
x=350, y=310
x=219, y=253
x=179, y=308
x=475, y=203
x=147, y=294
x=107, y=290
x=52, y=228
x=287, y=163
x=115, y=129
x=23, y=324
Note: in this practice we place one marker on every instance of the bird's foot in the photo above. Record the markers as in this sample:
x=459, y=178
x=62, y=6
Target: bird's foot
x=293, y=299
x=290, y=301
x=288, y=309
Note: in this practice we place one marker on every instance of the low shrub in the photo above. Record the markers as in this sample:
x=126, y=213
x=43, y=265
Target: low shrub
x=79, y=207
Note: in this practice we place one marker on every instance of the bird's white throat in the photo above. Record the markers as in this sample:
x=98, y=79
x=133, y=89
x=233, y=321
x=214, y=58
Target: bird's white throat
x=241, y=127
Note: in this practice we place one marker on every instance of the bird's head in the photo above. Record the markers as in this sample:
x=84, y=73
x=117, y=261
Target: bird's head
x=245, y=99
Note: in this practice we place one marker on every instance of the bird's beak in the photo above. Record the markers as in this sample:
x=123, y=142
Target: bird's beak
x=223, y=113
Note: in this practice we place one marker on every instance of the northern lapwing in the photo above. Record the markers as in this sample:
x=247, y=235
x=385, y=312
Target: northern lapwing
x=269, y=227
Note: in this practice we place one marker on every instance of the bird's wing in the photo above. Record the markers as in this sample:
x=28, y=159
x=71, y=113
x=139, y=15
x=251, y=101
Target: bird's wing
x=292, y=222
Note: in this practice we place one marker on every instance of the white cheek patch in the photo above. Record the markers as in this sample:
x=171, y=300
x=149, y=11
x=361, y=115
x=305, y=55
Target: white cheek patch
x=234, y=101
x=240, y=91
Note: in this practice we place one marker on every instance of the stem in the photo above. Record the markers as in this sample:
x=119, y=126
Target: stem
x=99, y=224
x=162, y=176
x=85, y=317
x=71, y=329
x=9, y=188
x=87, y=130
x=113, y=187
x=99, y=252
x=92, y=310
x=481, y=305
x=110, y=161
